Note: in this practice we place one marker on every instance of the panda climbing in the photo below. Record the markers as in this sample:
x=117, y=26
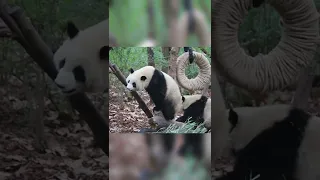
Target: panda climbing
x=197, y=108
x=82, y=59
x=161, y=87
x=276, y=142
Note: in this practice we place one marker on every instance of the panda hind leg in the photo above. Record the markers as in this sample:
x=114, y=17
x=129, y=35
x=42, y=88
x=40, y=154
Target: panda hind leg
x=168, y=110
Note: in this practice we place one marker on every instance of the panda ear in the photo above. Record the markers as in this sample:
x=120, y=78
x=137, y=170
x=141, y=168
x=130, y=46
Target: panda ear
x=143, y=78
x=131, y=70
x=104, y=52
x=72, y=30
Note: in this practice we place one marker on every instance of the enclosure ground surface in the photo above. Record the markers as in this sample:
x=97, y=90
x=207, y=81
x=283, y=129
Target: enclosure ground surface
x=125, y=115
x=70, y=151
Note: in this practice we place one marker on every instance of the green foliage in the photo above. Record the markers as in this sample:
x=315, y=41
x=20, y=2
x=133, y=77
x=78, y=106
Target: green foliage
x=188, y=127
x=189, y=170
x=137, y=57
x=129, y=21
x=260, y=32
x=50, y=17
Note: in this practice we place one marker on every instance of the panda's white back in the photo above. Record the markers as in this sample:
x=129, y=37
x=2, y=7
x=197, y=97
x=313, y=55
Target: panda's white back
x=249, y=126
x=207, y=114
x=173, y=92
x=190, y=99
x=308, y=158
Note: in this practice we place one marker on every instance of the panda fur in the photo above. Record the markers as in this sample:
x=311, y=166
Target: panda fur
x=198, y=108
x=165, y=148
x=82, y=59
x=274, y=141
x=148, y=43
x=162, y=88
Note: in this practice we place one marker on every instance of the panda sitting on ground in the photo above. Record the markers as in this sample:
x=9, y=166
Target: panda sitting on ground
x=276, y=142
x=197, y=108
x=82, y=59
x=162, y=88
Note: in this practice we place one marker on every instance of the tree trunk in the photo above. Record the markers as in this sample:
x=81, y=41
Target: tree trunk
x=173, y=62
x=150, y=57
x=166, y=53
x=151, y=20
x=172, y=19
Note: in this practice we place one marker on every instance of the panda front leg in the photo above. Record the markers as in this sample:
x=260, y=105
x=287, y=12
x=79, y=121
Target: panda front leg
x=156, y=108
x=182, y=119
x=167, y=109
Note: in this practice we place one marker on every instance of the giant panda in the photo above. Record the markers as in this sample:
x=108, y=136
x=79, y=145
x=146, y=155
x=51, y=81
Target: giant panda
x=162, y=88
x=171, y=148
x=82, y=59
x=198, y=108
x=275, y=142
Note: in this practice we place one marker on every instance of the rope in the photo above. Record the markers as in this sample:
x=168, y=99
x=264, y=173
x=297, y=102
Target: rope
x=281, y=66
x=201, y=29
x=202, y=79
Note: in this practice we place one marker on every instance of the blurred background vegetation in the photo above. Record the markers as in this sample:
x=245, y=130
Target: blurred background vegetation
x=137, y=57
x=129, y=20
x=50, y=17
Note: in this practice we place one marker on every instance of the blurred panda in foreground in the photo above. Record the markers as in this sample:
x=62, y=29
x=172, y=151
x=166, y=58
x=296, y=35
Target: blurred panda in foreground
x=178, y=156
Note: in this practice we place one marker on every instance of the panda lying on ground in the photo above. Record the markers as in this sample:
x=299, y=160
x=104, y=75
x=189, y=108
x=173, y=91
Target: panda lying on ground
x=275, y=141
x=82, y=59
x=162, y=88
x=197, y=108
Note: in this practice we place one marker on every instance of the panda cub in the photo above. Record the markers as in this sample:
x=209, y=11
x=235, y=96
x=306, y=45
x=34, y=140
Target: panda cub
x=162, y=88
x=276, y=142
x=82, y=59
x=198, y=108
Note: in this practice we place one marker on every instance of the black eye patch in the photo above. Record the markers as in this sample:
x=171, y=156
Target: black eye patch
x=134, y=84
x=143, y=78
x=79, y=74
x=61, y=63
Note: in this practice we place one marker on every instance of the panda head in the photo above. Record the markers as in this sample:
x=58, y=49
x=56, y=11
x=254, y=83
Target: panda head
x=139, y=80
x=82, y=60
x=188, y=100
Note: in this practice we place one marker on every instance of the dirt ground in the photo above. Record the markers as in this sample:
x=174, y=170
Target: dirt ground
x=125, y=116
x=67, y=152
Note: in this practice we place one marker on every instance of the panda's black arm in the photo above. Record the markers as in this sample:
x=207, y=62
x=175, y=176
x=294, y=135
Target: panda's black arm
x=182, y=119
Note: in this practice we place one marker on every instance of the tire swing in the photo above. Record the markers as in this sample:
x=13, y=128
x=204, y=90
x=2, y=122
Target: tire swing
x=279, y=67
x=201, y=29
x=203, y=78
